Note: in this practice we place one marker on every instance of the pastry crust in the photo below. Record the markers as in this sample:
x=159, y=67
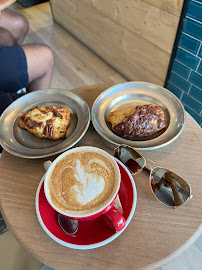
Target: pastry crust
x=139, y=121
x=46, y=122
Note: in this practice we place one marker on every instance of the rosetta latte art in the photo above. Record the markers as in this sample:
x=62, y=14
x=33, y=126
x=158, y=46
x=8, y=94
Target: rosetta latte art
x=82, y=182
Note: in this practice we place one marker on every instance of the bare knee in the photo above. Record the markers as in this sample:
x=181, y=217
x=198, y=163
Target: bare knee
x=46, y=57
x=40, y=60
x=49, y=56
x=22, y=28
x=15, y=23
x=6, y=38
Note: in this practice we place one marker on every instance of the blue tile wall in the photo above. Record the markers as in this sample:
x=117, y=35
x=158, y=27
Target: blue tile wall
x=200, y=52
x=196, y=79
x=187, y=58
x=195, y=10
x=193, y=28
x=180, y=69
x=196, y=93
x=200, y=68
x=179, y=82
x=174, y=90
x=186, y=74
x=189, y=43
x=194, y=115
x=192, y=103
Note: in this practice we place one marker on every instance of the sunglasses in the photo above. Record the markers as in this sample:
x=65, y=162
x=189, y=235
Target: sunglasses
x=169, y=188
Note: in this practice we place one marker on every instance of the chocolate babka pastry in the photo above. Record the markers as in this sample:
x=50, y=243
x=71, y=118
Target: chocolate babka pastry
x=139, y=121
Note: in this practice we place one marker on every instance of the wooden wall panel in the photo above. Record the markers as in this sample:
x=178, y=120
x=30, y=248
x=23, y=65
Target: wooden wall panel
x=147, y=21
x=126, y=46
x=172, y=6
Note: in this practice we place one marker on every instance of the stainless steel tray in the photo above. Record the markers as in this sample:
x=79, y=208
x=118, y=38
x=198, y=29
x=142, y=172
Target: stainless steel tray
x=22, y=143
x=138, y=93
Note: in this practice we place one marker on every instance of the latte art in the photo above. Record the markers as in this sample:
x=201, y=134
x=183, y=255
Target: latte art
x=82, y=182
x=92, y=184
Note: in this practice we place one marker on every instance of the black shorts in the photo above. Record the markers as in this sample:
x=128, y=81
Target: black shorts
x=13, y=69
x=5, y=100
x=13, y=75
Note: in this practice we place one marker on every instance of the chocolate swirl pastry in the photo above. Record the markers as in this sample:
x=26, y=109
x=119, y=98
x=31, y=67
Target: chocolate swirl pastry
x=139, y=121
x=46, y=122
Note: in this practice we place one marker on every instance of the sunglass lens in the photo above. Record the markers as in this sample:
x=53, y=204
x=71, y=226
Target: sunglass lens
x=168, y=187
x=131, y=158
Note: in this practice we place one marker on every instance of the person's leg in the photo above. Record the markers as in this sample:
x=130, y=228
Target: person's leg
x=15, y=23
x=6, y=38
x=40, y=62
x=29, y=66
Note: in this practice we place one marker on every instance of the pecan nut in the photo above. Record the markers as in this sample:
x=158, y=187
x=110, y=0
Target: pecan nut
x=31, y=123
x=56, y=113
x=23, y=117
x=49, y=131
x=48, y=121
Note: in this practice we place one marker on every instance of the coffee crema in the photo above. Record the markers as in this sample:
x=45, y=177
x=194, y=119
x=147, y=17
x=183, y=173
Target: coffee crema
x=82, y=182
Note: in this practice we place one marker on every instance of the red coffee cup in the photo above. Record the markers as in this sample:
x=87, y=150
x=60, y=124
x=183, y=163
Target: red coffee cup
x=111, y=214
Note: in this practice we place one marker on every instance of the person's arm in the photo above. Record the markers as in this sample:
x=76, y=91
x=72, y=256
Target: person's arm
x=5, y=3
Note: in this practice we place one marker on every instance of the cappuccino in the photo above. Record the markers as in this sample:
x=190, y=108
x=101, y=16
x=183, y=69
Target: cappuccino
x=83, y=181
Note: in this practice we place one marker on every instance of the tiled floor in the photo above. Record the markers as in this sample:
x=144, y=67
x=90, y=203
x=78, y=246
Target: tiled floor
x=80, y=63
x=191, y=259
x=14, y=257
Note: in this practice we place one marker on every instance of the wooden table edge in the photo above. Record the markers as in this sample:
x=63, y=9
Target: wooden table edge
x=175, y=254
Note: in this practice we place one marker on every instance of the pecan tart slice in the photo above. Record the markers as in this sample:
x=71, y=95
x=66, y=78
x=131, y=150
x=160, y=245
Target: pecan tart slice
x=46, y=122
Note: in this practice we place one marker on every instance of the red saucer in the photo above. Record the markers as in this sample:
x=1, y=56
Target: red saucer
x=93, y=233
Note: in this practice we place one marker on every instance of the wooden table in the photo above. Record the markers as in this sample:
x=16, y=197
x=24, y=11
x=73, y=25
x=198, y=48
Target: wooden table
x=156, y=234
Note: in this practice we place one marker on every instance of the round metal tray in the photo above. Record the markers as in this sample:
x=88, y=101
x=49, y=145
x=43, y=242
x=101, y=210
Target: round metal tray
x=24, y=144
x=131, y=94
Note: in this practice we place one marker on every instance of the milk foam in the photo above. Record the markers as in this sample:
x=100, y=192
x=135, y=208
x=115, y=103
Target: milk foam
x=82, y=182
x=92, y=184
